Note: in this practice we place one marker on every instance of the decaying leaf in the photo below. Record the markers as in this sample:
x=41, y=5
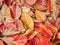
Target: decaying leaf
x=58, y=36
x=58, y=23
x=31, y=2
x=15, y=11
x=40, y=16
x=8, y=40
x=1, y=42
x=32, y=35
x=25, y=9
x=10, y=32
x=27, y=20
x=20, y=40
x=39, y=7
x=6, y=13
x=20, y=26
x=1, y=18
x=4, y=10
x=54, y=9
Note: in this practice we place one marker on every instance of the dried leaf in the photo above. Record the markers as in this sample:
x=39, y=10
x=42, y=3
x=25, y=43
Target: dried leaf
x=39, y=7
x=8, y=40
x=1, y=18
x=8, y=2
x=40, y=16
x=58, y=35
x=1, y=42
x=20, y=26
x=31, y=2
x=9, y=32
x=20, y=40
x=27, y=20
x=14, y=11
x=25, y=9
x=57, y=23
x=35, y=41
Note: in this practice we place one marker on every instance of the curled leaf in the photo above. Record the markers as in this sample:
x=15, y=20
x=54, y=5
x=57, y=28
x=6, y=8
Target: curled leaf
x=1, y=18
x=41, y=28
x=4, y=10
x=31, y=2
x=37, y=26
x=8, y=2
x=42, y=2
x=2, y=28
x=35, y=41
x=45, y=31
x=39, y=7
x=25, y=9
x=6, y=13
x=14, y=11
x=9, y=32
x=1, y=42
x=53, y=28
x=20, y=26
x=58, y=2
x=43, y=39
x=27, y=20
x=32, y=35
x=20, y=40
x=8, y=17
x=20, y=2
x=49, y=6
x=8, y=40
x=40, y=16
x=58, y=23
x=58, y=35
x=54, y=9
x=27, y=32
x=10, y=25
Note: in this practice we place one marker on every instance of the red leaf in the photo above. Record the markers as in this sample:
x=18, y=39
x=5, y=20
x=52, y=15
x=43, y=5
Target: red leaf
x=34, y=41
x=42, y=2
x=37, y=26
x=20, y=2
x=49, y=6
x=15, y=11
x=8, y=2
x=2, y=28
x=27, y=43
x=19, y=25
x=20, y=39
x=51, y=27
x=31, y=2
x=46, y=31
x=32, y=35
x=10, y=25
x=43, y=39
x=45, y=44
x=1, y=42
x=58, y=36
x=41, y=28
x=57, y=23
x=58, y=2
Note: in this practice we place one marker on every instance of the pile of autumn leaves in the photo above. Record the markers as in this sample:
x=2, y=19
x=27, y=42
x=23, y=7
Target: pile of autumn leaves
x=29, y=22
